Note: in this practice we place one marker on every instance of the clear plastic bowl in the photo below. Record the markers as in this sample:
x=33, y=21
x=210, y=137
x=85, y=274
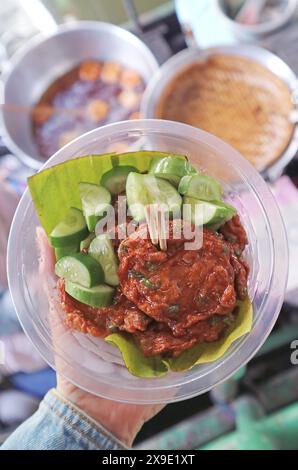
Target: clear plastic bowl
x=267, y=255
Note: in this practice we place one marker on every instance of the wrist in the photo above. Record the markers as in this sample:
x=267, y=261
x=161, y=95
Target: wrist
x=122, y=420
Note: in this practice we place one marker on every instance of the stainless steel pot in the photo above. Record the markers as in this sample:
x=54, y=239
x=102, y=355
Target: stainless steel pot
x=45, y=58
x=170, y=69
x=257, y=31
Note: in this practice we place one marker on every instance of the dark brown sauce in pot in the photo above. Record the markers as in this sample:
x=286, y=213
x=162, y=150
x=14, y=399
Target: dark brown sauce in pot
x=88, y=96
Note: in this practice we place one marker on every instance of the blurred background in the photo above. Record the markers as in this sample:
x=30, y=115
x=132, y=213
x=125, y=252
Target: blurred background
x=258, y=407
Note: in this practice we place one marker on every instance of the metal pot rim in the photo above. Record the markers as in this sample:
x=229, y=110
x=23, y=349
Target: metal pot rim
x=264, y=57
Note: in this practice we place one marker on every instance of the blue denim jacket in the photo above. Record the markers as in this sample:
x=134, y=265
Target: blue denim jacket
x=60, y=425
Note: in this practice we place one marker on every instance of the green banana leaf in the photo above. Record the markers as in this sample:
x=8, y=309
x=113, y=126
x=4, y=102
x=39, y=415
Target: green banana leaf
x=142, y=366
x=54, y=190
x=134, y=359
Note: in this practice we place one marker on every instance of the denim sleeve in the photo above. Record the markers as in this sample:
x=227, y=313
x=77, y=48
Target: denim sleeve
x=60, y=425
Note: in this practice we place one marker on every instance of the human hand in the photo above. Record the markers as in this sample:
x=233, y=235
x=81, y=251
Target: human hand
x=8, y=203
x=123, y=420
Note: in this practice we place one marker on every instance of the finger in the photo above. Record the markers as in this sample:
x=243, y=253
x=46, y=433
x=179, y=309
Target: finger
x=62, y=340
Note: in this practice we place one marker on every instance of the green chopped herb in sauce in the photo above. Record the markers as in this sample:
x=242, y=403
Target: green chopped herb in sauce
x=229, y=320
x=201, y=300
x=225, y=250
x=173, y=309
x=151, y=266
x=144, y=280
x=149, y=284
x=135, y=274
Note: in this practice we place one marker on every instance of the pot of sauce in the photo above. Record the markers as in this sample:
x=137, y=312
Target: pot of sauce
x=244, y=94
x=38, y=66
x=272, y=15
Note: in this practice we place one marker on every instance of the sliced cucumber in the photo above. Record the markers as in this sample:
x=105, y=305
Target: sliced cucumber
x=207, y=213
x=97, y=296
x=202, y=187
x=171, y=169
x=115, y=179
x=95, y=202
x=71, y=230
x=225, y=211
x=102, y=250
x=142, y=190
x=81, y=269
x=84, y=245
x=66, y=250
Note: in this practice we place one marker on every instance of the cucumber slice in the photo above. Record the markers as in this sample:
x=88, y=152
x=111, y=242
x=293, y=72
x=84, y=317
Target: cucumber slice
x=142, y=190
x=71, y=230
x=207, y=213
x=81, y=269
x=171, y=169
x=115, y=179
x=66, y=250
x=225, y=212
x=84, y=245
x=102, y=250
x=95, y=202
x=97, y=296
x=202, y=187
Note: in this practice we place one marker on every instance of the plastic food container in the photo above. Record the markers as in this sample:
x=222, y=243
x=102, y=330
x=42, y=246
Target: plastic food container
x=74, y=354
